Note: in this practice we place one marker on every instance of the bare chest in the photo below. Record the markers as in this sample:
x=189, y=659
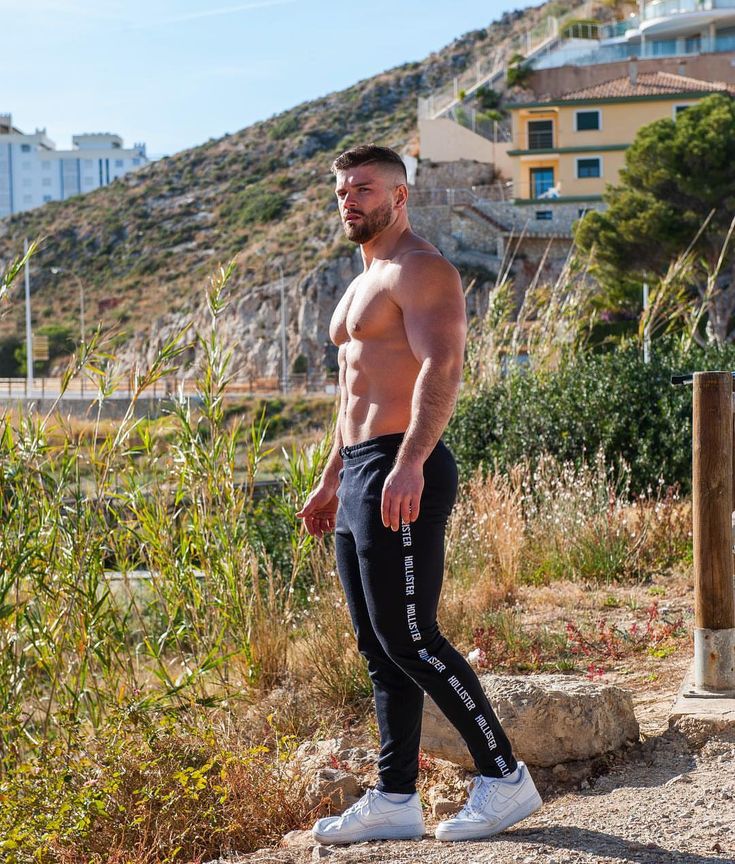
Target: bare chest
x=366, y=312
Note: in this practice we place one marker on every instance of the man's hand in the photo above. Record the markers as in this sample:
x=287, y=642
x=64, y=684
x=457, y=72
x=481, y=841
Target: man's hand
x=401, y=497
x=320, y=510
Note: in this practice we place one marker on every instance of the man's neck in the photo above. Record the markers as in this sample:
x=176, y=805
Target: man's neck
x=383, y=246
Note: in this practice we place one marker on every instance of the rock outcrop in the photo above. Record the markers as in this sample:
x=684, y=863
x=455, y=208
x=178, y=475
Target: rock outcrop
x=550, y=719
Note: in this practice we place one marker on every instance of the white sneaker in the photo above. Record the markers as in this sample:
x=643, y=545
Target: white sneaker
x=494, y=805
x=373, y=817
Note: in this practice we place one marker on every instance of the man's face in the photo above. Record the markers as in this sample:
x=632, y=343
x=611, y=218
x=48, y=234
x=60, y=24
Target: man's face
x=365, y=197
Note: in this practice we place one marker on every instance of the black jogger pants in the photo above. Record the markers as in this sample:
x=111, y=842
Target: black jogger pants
x=392, y=581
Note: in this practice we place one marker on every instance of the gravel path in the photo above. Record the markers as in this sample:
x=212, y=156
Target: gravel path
x=667, y=803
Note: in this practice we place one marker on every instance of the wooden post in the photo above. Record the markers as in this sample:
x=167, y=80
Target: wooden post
x=712, y=506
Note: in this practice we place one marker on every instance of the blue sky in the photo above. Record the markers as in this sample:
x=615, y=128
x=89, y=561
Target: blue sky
x=174, y=73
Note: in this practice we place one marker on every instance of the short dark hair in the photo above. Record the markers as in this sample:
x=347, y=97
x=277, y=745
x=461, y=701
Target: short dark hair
x=369, y=154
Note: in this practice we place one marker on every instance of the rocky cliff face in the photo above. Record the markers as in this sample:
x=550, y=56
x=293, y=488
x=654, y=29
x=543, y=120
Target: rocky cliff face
x=250, y=325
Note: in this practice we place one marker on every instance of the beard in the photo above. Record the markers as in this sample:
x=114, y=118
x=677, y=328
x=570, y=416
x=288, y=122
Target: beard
x=370, y=225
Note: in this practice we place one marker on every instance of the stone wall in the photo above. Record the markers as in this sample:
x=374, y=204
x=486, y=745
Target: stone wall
x=462, y=174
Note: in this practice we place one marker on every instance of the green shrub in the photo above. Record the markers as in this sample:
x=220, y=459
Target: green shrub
x=256, y=204
x=611, y=402
x=9, y=367
x=487, y=98
x=284, y=127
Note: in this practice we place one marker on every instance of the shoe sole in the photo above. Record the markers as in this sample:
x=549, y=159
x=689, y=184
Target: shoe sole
x=413, y=833
x=523, y=811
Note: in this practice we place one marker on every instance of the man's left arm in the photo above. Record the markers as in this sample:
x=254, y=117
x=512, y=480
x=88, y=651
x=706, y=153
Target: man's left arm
x=429, y=293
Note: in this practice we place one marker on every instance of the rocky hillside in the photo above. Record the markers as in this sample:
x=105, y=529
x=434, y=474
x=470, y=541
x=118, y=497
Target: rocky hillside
x=143, y=247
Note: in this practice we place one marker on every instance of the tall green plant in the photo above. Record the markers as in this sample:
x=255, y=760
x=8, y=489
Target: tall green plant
x=134, y=574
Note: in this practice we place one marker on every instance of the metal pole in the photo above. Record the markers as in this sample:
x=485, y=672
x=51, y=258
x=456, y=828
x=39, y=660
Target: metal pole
x=284, y=348
x=647, y=328
x=29, y=333
x=712, y=501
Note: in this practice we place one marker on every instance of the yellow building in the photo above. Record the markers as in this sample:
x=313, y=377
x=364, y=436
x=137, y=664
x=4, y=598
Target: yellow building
x=568, y=149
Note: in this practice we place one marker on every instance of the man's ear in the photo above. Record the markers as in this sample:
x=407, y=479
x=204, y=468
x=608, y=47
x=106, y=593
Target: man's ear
x=400, y=195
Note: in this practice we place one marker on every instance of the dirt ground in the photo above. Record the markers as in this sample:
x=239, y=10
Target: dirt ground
x=667, y=800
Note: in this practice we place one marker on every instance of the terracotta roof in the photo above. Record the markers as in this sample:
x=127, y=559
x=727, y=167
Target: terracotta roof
x=648, y=84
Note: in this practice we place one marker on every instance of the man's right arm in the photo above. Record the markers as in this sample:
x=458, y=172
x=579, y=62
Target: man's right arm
x=320, y=509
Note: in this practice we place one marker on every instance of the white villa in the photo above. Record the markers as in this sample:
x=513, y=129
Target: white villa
x=33, y=171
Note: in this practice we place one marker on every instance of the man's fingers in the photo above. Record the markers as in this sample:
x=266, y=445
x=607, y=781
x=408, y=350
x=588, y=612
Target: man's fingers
x=406, y=510
x=385, y=507
x=395, y=513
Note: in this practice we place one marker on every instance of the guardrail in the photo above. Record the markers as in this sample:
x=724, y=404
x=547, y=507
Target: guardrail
x=165, y=388
x=499, y=191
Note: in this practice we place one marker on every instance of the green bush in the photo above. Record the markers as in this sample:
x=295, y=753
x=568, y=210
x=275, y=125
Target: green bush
x=284, y=127
x=256, y=205
x=611, y=402
x=8, y=360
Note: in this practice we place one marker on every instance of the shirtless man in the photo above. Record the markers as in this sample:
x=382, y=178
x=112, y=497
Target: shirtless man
x=387, y=490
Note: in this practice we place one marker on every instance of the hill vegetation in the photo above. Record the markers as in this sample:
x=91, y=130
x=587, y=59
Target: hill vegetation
x=146, y=244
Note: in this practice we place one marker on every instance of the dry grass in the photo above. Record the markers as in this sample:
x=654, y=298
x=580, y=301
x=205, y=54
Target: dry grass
x=555, y=522
x=173, y=793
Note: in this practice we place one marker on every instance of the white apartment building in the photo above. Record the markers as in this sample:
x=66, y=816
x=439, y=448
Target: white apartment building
x=33, y=171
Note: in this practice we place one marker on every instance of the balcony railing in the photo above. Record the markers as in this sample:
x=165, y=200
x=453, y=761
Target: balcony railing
x=618, y=28
x=651, y=48
x=477, y=122
x=665, y=8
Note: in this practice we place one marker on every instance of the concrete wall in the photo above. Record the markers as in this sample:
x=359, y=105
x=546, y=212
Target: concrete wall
x=553, y=83
x=112, y=409
x=444, y=140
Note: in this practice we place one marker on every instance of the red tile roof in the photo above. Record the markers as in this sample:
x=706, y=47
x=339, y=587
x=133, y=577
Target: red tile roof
x=648, y=84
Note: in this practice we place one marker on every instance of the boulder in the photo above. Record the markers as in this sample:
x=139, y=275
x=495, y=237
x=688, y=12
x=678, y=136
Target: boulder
x=550, y=719
x=333, y=753
x=339, y=788
x=297, y=840
x=442, y=801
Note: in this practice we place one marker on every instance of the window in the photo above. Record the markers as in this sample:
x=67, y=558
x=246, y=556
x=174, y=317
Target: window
x=25, y=148
x=27, y=199
x=544, y=215
x=587, y=121
x=26, y=165
x=89, y=181
x=46, y=181
x=119, y=163
x=679, y=108
x=589, y=167
x=47, y=198
x=540, y=134
x=88, y=163
x=583, y=211
x=26, y=181
x=46, y=165
x=136, y=161
x=542, y=179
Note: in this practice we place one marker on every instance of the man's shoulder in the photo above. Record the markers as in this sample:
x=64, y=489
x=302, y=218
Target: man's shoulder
x=424, y=263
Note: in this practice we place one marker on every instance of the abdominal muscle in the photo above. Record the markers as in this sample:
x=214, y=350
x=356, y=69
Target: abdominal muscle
x=379, y=379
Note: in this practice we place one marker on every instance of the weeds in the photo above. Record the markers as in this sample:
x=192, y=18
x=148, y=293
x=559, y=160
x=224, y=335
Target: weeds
x=504, y=644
